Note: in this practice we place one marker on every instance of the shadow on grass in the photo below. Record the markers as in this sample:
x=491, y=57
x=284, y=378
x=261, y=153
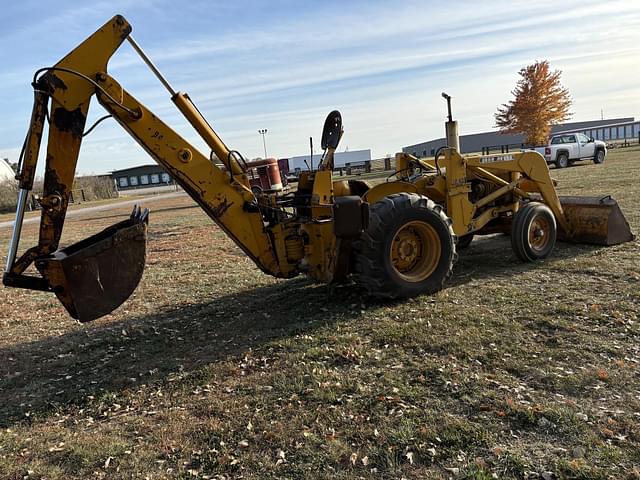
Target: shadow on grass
x=492, y=257
x=58, y=371
x=43, y=376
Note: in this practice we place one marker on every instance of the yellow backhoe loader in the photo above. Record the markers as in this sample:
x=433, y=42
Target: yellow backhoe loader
x=396, y=239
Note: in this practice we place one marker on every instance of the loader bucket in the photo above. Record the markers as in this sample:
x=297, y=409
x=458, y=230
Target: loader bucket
x=596, y=220
x=96, y=275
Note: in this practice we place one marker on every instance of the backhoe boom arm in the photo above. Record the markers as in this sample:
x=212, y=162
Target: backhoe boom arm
x=68, y=88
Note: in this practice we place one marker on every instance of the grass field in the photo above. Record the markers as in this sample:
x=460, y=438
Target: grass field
x=214, y=370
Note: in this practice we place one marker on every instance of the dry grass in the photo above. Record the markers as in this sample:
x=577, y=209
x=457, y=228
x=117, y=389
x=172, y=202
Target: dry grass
x=214, y=370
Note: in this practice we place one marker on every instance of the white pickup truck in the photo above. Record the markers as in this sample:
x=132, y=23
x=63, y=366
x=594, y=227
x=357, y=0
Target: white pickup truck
x=566, y=148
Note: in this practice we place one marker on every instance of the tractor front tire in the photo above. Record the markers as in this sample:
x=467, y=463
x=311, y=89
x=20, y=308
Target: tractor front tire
x=533, y=232
x=409, y=248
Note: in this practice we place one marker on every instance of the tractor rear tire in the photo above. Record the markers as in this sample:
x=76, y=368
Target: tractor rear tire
x=533, y=232
x=408, y=249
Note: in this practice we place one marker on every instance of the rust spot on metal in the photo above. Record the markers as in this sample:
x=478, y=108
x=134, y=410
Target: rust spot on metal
x=52, y=218
x=69, y=121
x=218, y=211
x=50, y=82
x=596, y=220
x=120, y=21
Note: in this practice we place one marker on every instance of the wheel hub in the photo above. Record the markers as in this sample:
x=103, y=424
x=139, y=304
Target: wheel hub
x=538, y=238
x=408, y=248
x=415, y=251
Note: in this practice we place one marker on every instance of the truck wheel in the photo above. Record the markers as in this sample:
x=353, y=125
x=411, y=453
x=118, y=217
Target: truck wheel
x=562, y=160
x=599, y=157
x=256, y=190
x=533, y=232
x=407, y=250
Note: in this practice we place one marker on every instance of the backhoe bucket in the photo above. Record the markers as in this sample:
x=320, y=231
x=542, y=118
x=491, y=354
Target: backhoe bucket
x=596, y=220
x=96, y=275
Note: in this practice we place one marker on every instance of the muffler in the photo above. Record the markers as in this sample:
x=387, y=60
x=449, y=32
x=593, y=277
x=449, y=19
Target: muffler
x=96, y=275
x=596, y=220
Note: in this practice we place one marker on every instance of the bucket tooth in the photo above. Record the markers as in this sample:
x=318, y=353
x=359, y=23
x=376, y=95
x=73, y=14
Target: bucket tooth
x=596, y=220
x=96, y=275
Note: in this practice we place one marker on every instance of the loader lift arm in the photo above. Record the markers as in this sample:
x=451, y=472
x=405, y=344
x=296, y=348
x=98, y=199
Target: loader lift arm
x=69, y=87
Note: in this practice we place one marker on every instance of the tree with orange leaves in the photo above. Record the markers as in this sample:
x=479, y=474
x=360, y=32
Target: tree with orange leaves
x=540, y=102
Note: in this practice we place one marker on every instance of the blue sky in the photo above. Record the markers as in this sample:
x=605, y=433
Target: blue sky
x=283, y=65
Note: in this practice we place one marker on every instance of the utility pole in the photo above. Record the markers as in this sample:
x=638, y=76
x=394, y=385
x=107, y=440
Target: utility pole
x=263, y=132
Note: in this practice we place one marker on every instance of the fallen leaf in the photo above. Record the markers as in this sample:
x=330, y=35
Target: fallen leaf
x=409, y=456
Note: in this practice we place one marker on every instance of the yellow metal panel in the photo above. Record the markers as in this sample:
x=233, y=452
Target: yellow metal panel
x=532, y=166
x=71, y=94
x=459, y=208
x=378, y=192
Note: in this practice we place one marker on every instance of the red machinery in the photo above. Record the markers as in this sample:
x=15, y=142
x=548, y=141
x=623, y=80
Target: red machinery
x=264, y=176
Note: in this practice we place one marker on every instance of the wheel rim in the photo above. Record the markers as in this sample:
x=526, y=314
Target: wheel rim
x=600, y=156
x=539, y=234
x=562, y=161
x=415, y=251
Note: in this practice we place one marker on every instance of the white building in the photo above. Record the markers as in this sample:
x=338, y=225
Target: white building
x=340, y=160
